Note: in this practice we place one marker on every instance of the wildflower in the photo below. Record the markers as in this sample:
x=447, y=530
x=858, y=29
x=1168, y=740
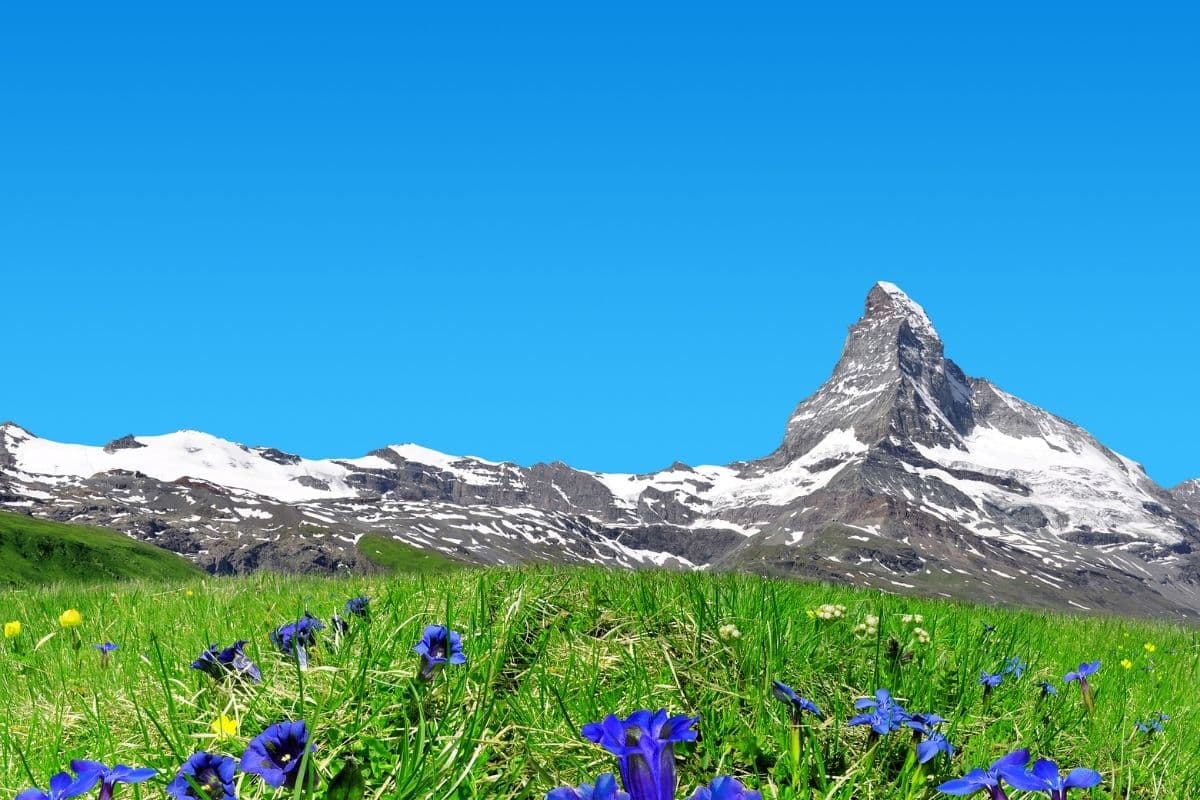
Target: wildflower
x=1154, y=724
x=62, y=787
x=104, y=649
x=935, y=743
x=925, y=726
x=12, y=629
x=921, y=635
x=294, y=638
x=796, y=704
x=1048, y=689
x=990, y=681
x=70, y=618
x=188, y=593
x=1045, y=777
x=871, y=621
x=605, y=789
x=730, y=631
x=224, y=726
x=1014, y=666
x=357, y=607
x=212, y=775
x=1149, y=647
x=885, y=715
x=1081, y=674
x=438, y=646
x=230, y=662
x=111, y=776
x=909, y=619
x=1126, y=663
x=644, y=745
x=276, y=753
x=988, y=629
x=986, y=780
x=725, y=788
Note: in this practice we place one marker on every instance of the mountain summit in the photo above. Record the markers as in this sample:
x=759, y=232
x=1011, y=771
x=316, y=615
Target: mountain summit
x=899, y=472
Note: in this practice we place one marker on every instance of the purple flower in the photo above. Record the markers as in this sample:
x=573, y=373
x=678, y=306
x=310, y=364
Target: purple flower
x=1154, y=724
x=725, y=788
x=1081, y=674
x=885, y=714
x=1045, y=777
x=107, y=647
x=62, y=787
x=276, y=753
x=110, y=776
x=357, y=606
x=1014, y=666
x=605, y=789
x=230, y=662
x=925, y=725
x=986, y=780
x=644, y=745
x=1048, y=689
x=796, y=704
x=438, y=646
x=212, y=775
x=294, y=638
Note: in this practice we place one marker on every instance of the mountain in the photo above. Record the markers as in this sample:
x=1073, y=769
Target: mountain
x=900, y=472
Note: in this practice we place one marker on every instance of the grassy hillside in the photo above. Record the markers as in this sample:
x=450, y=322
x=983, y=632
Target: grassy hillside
x=400, y=557
x=35, y=551
x=552, y=649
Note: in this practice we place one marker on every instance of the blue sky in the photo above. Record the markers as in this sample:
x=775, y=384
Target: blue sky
x=617, y=236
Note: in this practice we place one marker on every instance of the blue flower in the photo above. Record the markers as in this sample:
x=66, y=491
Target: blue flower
x=725, y=788
x=438, y=646
x=1045, y=777
x=295, y=638
x=796, y=704
x=644, y=745
x=211, y=773
x=357, y=606
x=926, y=725
x=1081, y=674
x=1048, y=688
x=885, y=715
x=62, y=787
x=107, y=647
x=1154, y=724
x=1014, y=666
x=110, y=776
x=986, y=780
x=605, y=789
x=276, y=753
x=229, y=662
x=990, y=681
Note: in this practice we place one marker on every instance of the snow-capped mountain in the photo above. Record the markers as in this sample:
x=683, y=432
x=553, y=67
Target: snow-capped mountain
x=900, y=472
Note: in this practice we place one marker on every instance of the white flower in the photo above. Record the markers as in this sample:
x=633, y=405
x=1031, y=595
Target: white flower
x=730, y=632
x=871, y=620
x=921, y=635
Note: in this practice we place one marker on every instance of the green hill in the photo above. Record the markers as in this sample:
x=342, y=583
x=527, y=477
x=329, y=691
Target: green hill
x=34, y=551
x=397, y=556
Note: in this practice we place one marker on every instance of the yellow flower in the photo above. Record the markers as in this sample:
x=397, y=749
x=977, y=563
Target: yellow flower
x=224, y=726
x=1149, y=647
x=188, y=593
x=12, y=629
x=1126, y=663
x=70, y=618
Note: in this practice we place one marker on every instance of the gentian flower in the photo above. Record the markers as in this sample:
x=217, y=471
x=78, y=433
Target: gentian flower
x=105, y=649
x=795, y=703
x=1048, y=688
x=438, y=646
x=644, y=745
x=989, y=682
x=357, y=606
x=1081, y=674
x=110, y=776
x=294, y=638
x=276, y=753
x=213, y=774
x=885, y=715
x=925, y=725
x=230, y=662
x=605, y=789
x=1014, y=666
x=62, y=787
x=725, y=788
x=1044, y=777
x=986, y=780
x=1154, y=724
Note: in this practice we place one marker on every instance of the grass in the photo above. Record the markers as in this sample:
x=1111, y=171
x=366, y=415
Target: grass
x=396, y=556
x=36, y=551
x=552, y=649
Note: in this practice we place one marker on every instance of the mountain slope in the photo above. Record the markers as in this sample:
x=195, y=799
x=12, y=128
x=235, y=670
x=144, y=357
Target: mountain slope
x=37, y=551
x=899, y=472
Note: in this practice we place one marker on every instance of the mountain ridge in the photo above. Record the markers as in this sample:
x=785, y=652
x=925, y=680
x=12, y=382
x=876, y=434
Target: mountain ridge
x=899, y=472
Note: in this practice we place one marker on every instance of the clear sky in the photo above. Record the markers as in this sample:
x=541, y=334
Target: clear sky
x=617, y=235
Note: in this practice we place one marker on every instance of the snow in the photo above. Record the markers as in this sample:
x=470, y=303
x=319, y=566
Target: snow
x=458, y=466
x=909, y=305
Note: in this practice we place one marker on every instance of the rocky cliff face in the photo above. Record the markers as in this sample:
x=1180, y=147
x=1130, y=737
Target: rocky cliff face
x=900, y=472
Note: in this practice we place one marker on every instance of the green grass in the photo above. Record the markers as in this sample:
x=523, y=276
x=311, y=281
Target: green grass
x=34, y=551
x=397, y=556
x=552, y=649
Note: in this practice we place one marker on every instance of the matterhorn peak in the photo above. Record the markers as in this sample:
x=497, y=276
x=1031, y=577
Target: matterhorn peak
x=888, y=301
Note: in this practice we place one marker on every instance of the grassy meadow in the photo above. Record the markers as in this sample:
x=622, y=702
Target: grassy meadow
x=552, y=649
